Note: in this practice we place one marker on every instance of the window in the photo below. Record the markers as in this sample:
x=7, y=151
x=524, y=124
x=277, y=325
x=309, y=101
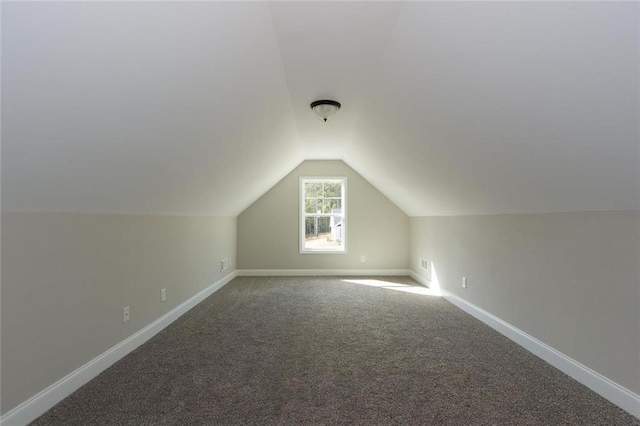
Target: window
x=323, y=215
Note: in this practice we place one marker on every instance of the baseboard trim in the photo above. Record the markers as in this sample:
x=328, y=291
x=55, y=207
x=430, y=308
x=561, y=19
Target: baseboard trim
x=422, y=280
x=608, y=389
x=319, y=272
x=44, y=400
x=37, y=405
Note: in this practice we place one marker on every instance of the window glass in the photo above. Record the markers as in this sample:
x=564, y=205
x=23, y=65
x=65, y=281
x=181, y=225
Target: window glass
x=322, y=215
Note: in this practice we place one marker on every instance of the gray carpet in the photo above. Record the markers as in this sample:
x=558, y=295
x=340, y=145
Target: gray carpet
x=323, y=351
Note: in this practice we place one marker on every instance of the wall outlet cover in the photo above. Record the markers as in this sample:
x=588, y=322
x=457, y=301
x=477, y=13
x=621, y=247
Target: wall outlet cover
x=224, y=264
x=424, y=263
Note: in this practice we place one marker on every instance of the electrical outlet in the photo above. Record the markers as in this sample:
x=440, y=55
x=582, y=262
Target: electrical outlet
x=464, y=282
x=224, y=264
x=125, y=314
x=363, y=258
x=424, y=263
x=163, y=294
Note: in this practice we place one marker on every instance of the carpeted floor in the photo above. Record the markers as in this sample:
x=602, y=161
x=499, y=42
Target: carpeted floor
x=326, y=351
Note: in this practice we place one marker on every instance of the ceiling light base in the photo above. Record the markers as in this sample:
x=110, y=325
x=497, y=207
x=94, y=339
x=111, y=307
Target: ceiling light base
x=325, y=109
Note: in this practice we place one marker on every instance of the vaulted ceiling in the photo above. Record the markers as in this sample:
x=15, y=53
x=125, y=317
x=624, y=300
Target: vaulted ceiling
x=199, y=108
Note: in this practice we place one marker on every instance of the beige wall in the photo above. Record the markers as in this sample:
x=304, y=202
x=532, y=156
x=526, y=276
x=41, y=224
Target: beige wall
x=66, y=278
x=268, y=229
x=570, y=280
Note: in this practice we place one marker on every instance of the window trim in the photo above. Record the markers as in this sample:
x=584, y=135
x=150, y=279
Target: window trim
x=302, y=215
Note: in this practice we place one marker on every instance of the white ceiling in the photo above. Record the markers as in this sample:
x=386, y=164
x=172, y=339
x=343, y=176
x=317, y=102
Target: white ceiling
x=199, y=108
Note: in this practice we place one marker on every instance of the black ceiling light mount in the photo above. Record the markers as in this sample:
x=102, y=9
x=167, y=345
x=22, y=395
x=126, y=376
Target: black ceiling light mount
x=325, y=109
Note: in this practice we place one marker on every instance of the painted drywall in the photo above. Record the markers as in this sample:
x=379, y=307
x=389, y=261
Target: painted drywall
x=571, y=280
x=376, y=228
x=66, y=278
x=199, y=107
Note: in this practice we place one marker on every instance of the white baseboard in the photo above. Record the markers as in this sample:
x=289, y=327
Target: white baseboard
x=44, y=400
x=319, y=272
x=422, y=280
x=604, y=387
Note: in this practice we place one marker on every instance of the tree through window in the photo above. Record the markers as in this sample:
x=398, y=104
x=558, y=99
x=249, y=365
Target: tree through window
x=322, y=215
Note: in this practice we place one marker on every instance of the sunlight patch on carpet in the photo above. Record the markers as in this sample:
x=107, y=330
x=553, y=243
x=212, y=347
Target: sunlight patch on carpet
x=414, y=289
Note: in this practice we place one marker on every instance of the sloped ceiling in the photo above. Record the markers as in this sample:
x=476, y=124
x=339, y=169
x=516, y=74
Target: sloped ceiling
x=199, y=108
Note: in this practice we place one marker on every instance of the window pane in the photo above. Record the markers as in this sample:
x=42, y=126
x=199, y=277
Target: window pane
x=333, y=204
x=323, y=232
x=322, y=210
x=311, y=205
x=324, y=225
x=313, y=189
x=332, y=190
x=326, y=206
x=318, y=226
x=310, y=228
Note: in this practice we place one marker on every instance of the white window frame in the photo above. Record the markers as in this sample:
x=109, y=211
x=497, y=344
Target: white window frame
x=303, y=215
